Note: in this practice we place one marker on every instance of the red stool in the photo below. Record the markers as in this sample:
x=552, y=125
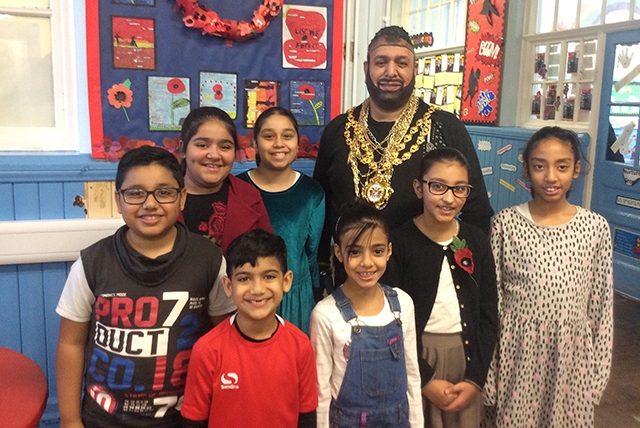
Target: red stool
x=23, y=390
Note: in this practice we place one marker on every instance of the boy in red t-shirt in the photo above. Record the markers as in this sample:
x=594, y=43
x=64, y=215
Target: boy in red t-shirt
x=254, y=369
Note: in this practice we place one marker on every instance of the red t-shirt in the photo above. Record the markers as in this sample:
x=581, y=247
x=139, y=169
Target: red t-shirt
x=235, y=382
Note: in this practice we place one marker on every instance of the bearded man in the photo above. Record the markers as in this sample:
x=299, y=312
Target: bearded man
x=373, y=151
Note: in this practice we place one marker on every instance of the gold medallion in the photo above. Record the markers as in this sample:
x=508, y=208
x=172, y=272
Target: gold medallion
x=377, y=191
x=380, y=158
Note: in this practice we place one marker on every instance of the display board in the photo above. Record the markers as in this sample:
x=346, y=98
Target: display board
x=483, y=62
x=150, y=62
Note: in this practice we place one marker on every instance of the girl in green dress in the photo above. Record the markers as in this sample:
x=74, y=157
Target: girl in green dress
x=295, y=204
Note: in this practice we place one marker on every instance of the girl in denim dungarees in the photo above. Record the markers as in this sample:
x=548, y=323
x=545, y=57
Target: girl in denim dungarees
x=363, y=335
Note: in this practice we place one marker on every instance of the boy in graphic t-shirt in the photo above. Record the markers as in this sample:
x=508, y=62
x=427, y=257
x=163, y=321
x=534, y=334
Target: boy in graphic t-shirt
x=135, y=303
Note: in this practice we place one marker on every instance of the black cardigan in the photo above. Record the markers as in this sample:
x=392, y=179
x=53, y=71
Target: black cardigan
x=415, y=266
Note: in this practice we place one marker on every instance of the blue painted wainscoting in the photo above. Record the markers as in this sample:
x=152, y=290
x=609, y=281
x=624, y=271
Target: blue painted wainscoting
x=43, y=187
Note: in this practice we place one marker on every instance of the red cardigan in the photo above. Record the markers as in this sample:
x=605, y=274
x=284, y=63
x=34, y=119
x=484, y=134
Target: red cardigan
x=245, y=211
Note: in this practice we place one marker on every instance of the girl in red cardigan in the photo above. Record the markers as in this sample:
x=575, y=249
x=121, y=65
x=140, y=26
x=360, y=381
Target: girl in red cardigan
x=218, y=205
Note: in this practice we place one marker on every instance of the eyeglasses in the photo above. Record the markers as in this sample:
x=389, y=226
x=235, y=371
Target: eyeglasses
x=437, y=188
x=164, y=195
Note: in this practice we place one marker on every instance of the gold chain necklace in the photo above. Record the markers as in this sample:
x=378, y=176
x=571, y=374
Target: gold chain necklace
x=376, y=182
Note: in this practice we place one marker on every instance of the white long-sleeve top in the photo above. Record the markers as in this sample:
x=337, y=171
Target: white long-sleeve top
x=329, y=334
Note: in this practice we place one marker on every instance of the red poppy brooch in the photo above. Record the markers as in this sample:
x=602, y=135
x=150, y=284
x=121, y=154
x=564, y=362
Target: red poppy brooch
x=462, y=254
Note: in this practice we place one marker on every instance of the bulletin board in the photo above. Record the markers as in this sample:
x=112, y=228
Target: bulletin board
x=149, y=66
x=483, y=62
x=439, y=81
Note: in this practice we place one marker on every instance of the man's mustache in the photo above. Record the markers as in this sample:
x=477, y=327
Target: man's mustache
x=390, y=81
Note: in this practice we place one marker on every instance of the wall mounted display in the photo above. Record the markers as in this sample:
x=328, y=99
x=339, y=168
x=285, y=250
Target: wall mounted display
x=169, y=102
x=134, y=99
x=133, y=43
x=483, y=62
x=306, y=102
x=304, y=37
x=439, y=81
x=259, y=95
x=220, y=90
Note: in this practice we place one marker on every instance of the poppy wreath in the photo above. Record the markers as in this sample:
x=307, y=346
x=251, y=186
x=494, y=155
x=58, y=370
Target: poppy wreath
x=209, y=22
x=462, y=254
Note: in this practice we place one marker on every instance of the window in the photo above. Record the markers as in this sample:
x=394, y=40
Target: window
x=574, y=14
x=562, y=81
x=444, y=18
x=37, y=77
x=563, y=41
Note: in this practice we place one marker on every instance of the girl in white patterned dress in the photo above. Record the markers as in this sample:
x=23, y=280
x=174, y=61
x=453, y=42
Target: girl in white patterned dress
x=554, y=272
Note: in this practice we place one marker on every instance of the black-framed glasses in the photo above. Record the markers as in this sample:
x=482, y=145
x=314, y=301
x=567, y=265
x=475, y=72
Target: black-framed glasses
x=136, y=196
x=437, y=188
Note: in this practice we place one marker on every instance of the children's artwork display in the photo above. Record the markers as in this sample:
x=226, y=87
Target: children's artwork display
x=133, y=43
x=219, y=90
x=169, y=102
x=259, y=96
x=304, y=37
x=307, y=102
x=483, y=62
x=150, y=63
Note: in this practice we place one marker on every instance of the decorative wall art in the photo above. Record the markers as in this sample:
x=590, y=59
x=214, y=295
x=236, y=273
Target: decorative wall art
x=133, y=43
x=169, y=102
x=220, y=90
x=304, y=37
x=483, y=62
x=149, y=66
x=259, y=96
x=307, y=102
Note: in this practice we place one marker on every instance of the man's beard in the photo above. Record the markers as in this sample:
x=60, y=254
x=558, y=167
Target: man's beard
x=390, y=101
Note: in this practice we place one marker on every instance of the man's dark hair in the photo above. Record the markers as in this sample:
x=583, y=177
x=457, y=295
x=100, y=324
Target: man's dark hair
x=392, y=34
x=147, y=155
x=250, y=246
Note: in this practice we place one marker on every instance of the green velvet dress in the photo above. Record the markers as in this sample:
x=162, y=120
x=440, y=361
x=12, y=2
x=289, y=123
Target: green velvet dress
x=297, y=215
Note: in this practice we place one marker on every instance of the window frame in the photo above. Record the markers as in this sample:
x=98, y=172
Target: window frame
x=531, y=39
x=449, y=49
x=64, y=135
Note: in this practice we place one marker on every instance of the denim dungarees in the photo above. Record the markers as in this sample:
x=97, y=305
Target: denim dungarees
x=374, y=388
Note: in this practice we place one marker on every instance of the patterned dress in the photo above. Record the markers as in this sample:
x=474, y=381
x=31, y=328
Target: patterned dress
x=555, y=291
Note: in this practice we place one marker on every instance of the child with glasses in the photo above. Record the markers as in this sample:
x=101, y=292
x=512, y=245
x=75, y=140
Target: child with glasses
x=135, y=303
x=447, y=267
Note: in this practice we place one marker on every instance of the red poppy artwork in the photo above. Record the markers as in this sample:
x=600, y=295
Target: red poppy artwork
x=120, y=95
x=307, y=101
x=133, y=43
x=219, y=90
x=169, y=102
x=304, y=36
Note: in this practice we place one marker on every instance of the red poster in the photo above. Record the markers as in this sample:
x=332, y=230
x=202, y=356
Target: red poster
x=483, y=62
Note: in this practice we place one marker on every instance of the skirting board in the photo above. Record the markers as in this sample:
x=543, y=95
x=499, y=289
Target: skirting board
x=47, y=241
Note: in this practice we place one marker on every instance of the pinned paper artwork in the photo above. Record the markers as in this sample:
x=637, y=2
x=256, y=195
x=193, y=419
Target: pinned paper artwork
x=169, y=102
x=133, y=41
x=220, y=90
x=259, y=96
x=482, y=67
x=120, y=96
x=304, y=37
x=307, y=101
